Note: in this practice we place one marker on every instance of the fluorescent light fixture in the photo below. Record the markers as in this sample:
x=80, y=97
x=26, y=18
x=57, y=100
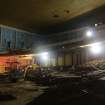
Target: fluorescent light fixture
x=89, y=45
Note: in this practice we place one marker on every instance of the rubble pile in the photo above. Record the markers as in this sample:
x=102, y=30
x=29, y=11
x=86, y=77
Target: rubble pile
x=99, y=64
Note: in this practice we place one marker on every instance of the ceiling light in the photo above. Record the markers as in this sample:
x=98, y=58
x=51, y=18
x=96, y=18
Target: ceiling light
x=44, y=56
x=89, y=33
x=96, y=25
x=96, y=48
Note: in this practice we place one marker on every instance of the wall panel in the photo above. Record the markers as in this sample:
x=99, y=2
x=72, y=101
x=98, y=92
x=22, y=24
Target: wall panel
x=68, y=59
x=60, y=60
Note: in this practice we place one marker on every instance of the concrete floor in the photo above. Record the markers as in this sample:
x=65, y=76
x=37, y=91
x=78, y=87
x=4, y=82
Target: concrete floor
x=19, y=93
x=88, y=93
x=70, y=93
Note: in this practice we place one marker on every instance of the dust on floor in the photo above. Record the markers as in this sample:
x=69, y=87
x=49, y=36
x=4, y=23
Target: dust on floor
x=19, y=93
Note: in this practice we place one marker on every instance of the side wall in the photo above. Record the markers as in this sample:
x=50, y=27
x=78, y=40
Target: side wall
x=67, y=59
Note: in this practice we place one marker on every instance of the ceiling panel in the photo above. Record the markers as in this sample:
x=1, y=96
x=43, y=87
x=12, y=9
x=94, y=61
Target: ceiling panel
x=35, y=14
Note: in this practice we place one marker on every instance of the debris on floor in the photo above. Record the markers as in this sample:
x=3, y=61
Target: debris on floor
x=19, y=93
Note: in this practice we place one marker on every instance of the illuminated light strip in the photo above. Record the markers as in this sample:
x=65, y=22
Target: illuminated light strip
x=89, y=45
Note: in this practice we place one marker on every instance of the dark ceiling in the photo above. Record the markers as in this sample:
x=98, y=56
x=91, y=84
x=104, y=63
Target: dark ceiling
x=46, y=16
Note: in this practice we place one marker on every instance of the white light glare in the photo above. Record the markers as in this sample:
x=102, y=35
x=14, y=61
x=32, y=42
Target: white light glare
x=89, y=45
x=96, y=48
x=89, y=33
x=44, y=56
x=96, y=25
x=45, y=53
